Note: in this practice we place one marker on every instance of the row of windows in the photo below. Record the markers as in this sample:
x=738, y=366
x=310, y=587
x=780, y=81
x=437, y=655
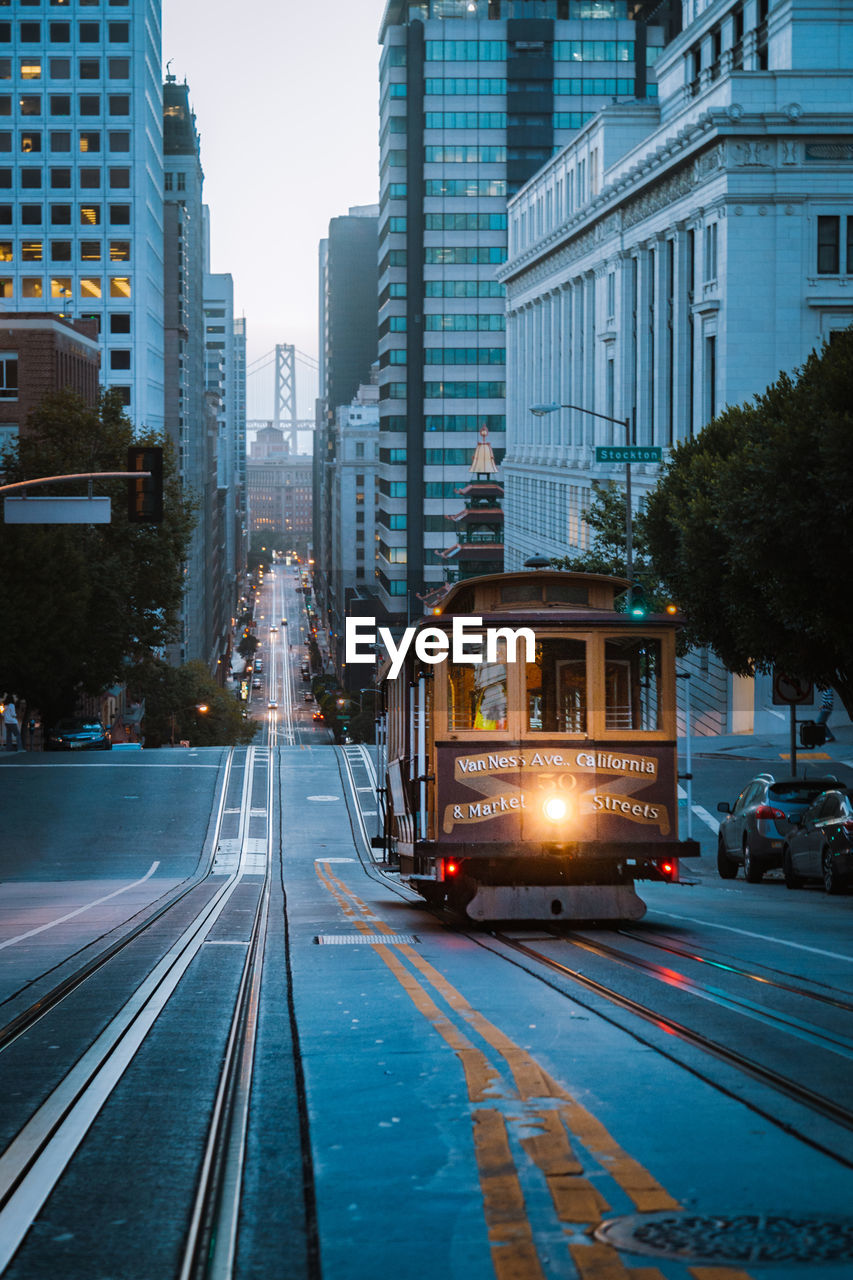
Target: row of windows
x=470, y=85
x=60, y=68
x=465, y=120
x=88, y=104
x=84, y=4
x=465, y=222
x=468, y=188
x=464, y=155
x=60, y=32
x=468, y=422
x=448, y=355
x=464, y=390
x=90, y=214
x=60, y=180
x=61, y=287
x=456, y=255
x=575, y=88
x=88, y=142
x=465, y=323
x=463, y=289
x=496, y=51
x=61, y=251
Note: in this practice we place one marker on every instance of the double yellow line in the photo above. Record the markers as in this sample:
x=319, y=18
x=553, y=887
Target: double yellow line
x=549, y=1118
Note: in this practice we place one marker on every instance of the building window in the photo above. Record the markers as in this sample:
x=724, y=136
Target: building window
x=91, y=288
x=31, y=179
x=60, y=68
x=89, y=32
x=90, y=141
x=119, y=251
x=119, y=178
x=60, y=141
x=90, y=179
x=90, y=68
x=167, y=181
x=829, y=246
x=31, y=215
x=5, y=68
x=90, y=215
x=120, y=359
x=60, y=179
x=6, y=251
x=90, y=251
x=119, y=68
x=29, y=104
x=710, y=377
x=119, y=323
x=119, y=32
x=60, y=250
x=30, y=143
x=119, y=286
x=90, y=104
x=120, y=142
x=182, y=181
x=31, y=68
x=711, y=252
x=8, y=375
x=60, y=215
x=60, y=287
x=119, y=215
x=30, y=32
x=119, y=104
x=60, y=104
x=32, y=250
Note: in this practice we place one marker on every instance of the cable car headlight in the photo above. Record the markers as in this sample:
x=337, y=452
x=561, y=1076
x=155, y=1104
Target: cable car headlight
x=555, y=808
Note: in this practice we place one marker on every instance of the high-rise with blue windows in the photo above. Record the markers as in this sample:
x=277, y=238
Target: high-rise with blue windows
x=476, y=95
x=81, y=179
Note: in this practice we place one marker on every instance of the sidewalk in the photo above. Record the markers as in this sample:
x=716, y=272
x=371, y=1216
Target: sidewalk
x=769, y=747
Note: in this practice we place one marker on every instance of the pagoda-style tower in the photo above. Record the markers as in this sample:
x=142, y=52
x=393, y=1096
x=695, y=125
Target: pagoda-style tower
x=480, y=546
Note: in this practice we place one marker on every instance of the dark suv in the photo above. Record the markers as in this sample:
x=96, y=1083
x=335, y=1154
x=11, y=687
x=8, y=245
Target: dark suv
x=754, y=830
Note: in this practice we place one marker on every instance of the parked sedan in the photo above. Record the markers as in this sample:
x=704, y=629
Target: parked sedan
x=76, y=734
x=754, y=831
x=820, y=846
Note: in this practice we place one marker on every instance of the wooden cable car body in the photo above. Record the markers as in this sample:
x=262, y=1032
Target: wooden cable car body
x=543, y=789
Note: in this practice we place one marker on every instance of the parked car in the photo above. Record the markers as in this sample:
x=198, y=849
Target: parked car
x=754, y=832
x=318, y=715
x=820, y=846
x=78, y=734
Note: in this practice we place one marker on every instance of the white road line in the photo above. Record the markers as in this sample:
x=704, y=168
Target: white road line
x=706, y=818
x=762, y=937
x=10, y=942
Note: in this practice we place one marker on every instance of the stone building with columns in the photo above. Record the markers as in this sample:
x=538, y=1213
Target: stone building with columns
x=673, y=259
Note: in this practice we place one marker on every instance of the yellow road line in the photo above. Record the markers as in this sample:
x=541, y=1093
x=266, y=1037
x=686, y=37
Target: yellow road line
x=510, y=1235
x=719, y=1273
x=575, y=1199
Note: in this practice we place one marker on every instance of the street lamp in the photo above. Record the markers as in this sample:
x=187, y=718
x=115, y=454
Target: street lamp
x=201, y=707
x=540, y=410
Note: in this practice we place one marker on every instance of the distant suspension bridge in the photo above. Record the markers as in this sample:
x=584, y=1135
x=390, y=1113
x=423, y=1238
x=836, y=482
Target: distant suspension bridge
x=279, y=365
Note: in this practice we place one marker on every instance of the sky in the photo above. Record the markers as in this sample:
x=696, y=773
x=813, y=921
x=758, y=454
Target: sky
x=286, y=100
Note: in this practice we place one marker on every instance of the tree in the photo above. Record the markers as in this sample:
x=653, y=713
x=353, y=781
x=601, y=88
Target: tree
x=85, y=599
x=179, y=691
x=749, y=526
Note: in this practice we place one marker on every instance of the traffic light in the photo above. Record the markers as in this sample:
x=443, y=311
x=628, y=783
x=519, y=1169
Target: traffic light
x=639, y=605
x=812, y=734
x=145, y=493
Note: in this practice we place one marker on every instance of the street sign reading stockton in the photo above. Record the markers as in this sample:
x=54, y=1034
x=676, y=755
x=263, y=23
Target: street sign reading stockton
x=628, y=453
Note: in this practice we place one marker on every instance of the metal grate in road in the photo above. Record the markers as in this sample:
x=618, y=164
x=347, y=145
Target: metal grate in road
x=351, y=939
x=751, y=1238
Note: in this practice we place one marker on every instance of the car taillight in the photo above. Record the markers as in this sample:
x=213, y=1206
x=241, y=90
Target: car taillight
x=847, y=828
x=767, y=811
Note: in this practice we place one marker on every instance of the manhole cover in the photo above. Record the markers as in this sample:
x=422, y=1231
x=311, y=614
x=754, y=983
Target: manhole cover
x=733, y=1237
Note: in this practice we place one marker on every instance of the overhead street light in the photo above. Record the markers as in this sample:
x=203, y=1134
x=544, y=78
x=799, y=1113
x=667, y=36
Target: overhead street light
x=540, y=410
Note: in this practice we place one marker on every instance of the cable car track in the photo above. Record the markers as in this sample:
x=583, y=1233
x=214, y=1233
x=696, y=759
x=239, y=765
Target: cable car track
x=830, y=1111
x=46, y=1143
x=791, y=1089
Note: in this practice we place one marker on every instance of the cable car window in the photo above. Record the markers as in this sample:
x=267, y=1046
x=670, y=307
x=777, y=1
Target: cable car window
x=477, y=697
x=521, y=592
x=562, y=593
x=556, y=686
x=632, y=694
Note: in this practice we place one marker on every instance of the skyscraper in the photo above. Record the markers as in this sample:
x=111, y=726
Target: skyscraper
x=81, y=182
x=475, y=96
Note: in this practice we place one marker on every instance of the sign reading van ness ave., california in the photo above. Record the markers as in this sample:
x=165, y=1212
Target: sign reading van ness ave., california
x=607, y=794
